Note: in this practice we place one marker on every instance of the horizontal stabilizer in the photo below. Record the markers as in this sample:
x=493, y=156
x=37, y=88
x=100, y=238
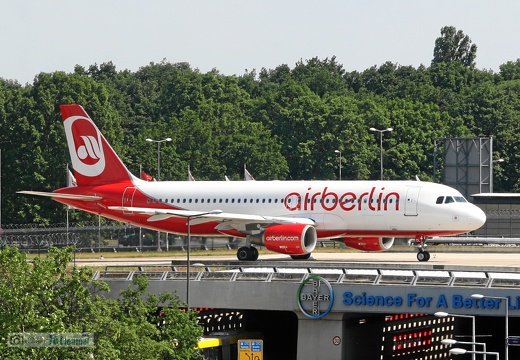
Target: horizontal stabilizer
x=62, y=196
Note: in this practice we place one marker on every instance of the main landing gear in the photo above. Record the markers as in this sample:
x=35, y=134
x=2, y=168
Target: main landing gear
x=250, y=253
x=247, y=253
x=422, y=254
x=301, y=257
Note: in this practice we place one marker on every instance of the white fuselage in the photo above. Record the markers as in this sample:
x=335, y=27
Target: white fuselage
x=339, y=208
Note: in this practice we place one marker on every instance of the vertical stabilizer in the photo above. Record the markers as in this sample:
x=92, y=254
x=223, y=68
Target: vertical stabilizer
x=93, y=159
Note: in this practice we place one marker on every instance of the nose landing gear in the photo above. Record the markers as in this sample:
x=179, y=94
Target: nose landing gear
x=420, y=243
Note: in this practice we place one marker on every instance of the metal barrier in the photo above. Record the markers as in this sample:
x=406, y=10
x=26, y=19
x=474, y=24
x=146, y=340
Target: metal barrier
x=337, y=274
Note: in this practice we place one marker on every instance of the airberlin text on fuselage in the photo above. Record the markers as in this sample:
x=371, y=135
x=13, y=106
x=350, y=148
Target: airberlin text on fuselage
x=373, y=200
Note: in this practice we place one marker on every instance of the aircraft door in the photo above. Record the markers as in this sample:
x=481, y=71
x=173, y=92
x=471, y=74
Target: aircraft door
x=128, y=199
x=412, y=196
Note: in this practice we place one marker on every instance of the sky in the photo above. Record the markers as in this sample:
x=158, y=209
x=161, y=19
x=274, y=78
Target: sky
x=235, y=36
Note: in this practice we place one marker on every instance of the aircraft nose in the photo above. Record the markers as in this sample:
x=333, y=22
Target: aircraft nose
x=477, y=217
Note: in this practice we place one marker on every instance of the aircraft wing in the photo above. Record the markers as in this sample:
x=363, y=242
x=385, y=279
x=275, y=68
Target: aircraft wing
x=241, y=222
x=62, y=196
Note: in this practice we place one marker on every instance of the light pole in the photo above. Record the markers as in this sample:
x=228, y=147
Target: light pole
x=459, y=351
x=158, y=154
x=480, y=296
x=443, y=314
x=453, y=342
x=159, y=178
x=339, y=152
x=381, y=144
x=188, y=218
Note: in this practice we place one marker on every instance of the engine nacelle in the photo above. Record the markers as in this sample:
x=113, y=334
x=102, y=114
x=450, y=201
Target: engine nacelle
x=369, y=243
x=294, y=239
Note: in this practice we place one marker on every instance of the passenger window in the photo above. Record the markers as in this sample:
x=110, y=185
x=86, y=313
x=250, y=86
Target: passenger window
x=440, y=200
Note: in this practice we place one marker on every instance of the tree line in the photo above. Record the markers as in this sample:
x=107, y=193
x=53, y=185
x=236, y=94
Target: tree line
x=284, y=123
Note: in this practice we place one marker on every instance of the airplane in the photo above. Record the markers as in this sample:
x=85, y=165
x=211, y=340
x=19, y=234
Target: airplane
x=286, y=217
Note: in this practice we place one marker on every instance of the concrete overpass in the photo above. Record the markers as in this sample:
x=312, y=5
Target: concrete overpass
x=340, y=310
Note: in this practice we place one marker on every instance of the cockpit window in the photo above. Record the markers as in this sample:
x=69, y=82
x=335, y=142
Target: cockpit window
x=450, y=199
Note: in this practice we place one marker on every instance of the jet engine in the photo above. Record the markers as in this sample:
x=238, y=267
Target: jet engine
x=369, y=243
x=294, y=239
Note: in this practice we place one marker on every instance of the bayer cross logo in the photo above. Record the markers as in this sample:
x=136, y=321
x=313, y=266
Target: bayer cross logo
x=315, y=297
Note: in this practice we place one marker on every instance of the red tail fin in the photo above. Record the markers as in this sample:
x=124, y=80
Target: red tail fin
x=93, y=159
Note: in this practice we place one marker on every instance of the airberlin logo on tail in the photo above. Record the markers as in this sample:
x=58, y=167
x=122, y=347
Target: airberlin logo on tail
x=85, y=146
x=90, y=151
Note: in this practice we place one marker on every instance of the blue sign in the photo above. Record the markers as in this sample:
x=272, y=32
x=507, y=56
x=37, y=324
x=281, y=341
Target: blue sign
x=256, y=346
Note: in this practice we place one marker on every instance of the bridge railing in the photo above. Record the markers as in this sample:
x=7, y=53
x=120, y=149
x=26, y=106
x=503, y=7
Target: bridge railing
x=338, y=274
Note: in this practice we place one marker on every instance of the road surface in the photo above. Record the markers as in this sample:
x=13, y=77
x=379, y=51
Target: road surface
x=509, y=259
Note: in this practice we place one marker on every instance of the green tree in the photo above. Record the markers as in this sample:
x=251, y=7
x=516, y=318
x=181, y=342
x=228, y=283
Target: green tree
x=454, y=45
x=510, y=70
x=42, y=296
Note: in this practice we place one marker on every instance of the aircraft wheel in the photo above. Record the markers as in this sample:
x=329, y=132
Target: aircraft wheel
x=244, y=253
x=254, y=253
x=423, y=256
x=301, y=257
